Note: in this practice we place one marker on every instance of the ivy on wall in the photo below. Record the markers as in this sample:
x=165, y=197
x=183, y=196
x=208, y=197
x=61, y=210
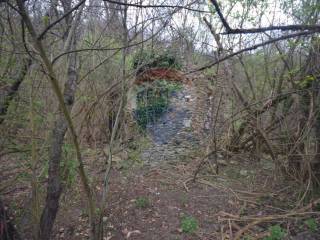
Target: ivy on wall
x=153, y=100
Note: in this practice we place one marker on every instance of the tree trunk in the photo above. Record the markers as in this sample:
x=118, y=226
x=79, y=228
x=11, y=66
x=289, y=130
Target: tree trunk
x=65, y=100
x=7, y=94
x=7, y=229
x=54, y=188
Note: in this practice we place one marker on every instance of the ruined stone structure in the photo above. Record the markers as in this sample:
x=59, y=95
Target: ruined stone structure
x=186, y=123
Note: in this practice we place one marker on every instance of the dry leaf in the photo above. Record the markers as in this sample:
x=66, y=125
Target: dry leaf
x=132, y=232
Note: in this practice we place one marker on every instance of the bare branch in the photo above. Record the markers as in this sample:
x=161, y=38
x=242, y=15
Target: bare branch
x=304, y=33
x=157, y=6
x=229, y=30
x=222, y=18
x=315, y=28
x=115, y=48
x=41, y=36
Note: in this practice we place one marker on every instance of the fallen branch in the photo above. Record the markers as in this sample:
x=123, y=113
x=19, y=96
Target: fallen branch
x=256, y=220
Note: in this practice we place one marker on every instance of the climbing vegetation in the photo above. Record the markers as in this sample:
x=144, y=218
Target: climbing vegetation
x=154, y=100
x=149, y=59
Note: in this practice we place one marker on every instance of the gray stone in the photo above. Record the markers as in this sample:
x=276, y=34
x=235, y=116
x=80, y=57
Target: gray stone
x=187, y=123
x=172, y=136
x=222, y=162
x=243, y=172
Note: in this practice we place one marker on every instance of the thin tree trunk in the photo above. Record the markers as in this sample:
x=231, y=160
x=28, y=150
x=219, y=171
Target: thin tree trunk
x=63, y=106
x=54, y=188
x=6, y=95
x=115, y=127
x=7, y=229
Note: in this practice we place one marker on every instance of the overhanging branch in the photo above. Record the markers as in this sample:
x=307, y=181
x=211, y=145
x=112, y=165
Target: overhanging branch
x=42, y=34
x=229, y=30
x=304, y=33
x=156, y=6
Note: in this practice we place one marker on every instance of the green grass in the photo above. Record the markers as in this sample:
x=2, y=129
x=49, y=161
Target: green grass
x=142, y=202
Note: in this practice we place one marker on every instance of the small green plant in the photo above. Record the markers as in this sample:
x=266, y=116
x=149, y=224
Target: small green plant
x=189, y=224
x=247, y=238
x=276, y=233
x=312, y=224
x=142, y=202
x=306, y=81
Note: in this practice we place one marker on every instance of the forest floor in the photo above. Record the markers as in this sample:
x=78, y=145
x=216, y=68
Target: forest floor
x=162, y=202
x=152, y=195
x=157, y=199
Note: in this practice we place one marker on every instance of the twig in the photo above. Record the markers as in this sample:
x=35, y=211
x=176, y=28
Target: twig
x=256, y=220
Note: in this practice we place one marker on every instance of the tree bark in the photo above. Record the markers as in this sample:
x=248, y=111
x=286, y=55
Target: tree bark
x=54, y=188
x=7, y=229
x=7, y=94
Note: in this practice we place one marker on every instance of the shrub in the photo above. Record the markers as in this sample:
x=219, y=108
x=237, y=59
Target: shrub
x=146, y=59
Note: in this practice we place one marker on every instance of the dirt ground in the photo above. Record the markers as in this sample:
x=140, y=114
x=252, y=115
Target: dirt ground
x=167, y=195
x=147, y=203
x=151, y=199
